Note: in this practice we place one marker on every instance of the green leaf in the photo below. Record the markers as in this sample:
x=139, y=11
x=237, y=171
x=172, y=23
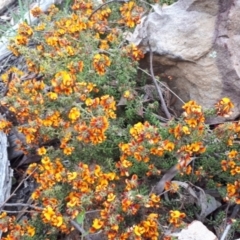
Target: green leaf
x=80, y=217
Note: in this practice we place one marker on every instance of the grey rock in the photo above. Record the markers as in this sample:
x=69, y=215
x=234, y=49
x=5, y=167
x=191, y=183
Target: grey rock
x=197, y=42
x=4, y=4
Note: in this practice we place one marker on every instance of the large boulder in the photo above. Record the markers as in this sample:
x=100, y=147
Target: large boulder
x=197, y=43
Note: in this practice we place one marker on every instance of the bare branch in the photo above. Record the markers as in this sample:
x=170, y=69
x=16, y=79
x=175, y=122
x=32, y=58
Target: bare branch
x=163, y=104
x=21, y=205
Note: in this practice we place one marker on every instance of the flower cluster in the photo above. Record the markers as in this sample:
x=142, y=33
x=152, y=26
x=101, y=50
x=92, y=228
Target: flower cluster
x=15, y=230
x=232, y=164
x=147, y=229
x=131, y=14
x=90, y=188
x=193, y=115
x=145, y=141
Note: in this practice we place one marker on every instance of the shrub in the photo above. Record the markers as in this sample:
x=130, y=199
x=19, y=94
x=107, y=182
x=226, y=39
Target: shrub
x=81, y=93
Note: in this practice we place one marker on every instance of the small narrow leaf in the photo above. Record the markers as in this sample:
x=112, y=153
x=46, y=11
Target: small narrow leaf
x=80, y=217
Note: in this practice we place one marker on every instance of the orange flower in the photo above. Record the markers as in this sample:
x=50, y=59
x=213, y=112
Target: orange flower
x=191, y=122
x=68, y=150
x=36, y=12
x=173, y=187
x=25, y=30
x=100, y=62
x=134, y=52
x=224, y=165
x=126, y=203
x=21, y=40
x=104, y=45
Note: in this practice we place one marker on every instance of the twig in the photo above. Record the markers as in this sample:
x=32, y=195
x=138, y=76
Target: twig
x=22, y=205
x=98, y=8
x=163, y=104
x=80, y=229
x=20, y=211
x=19, y=185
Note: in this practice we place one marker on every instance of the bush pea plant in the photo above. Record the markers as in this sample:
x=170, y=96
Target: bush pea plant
x=98, y=178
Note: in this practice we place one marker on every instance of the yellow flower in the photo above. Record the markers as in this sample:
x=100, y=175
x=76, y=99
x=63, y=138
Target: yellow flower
x=30, y=231
x=232, y=154
x=57, y=221
x=45, y=160
x=185, y=130
x=104, y=45
x=97, y=224
x=71, y=176
x=52, y=95
x=155, y=198
x=111, y=197
x=35, y=195
x=3, y=215
x=127, y=94
x=48, y=213
x=42, y=151
x=169, y=146
x=138, y=230
x=74, y=114
x=137, y=129
x=176, y=217
x=177, y=214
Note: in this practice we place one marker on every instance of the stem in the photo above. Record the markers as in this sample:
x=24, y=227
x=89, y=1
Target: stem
x=80, y=229
x=164, y=106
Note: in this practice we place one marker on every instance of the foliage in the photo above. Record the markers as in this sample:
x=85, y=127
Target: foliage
x=79, y=69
